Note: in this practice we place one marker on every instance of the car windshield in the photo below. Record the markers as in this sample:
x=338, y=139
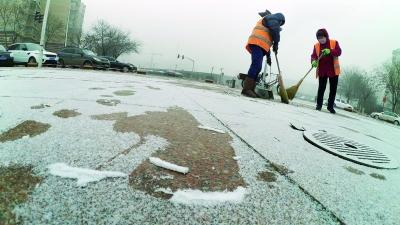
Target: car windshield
x=88, y=52
x=2, y=49
x=34, y=47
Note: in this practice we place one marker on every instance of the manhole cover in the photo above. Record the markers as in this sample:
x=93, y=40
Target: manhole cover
x=350, y=150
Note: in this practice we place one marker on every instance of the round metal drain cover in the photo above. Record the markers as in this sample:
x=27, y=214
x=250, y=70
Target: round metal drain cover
x=350, y=150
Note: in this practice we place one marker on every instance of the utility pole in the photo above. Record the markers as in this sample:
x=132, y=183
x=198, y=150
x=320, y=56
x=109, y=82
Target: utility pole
x=222, y=76
x=43, y=35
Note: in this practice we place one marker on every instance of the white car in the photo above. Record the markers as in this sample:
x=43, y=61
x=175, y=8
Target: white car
x=387, y=116
x=342, y=104
x=28, y=53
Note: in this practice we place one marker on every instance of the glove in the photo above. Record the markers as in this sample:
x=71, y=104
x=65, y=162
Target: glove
x=275, y=48
x=314, y=63
x=326, y=51
x=269, y=61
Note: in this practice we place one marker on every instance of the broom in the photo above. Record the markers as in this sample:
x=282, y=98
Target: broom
x=291, y=92
x=282, y=90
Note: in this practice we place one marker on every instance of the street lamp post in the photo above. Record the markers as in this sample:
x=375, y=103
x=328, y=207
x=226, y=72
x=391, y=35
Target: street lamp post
x=188, y=58
x=43, y=34
x=67, y=28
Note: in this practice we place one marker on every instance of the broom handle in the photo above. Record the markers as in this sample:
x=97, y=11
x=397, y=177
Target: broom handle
x=277, y=63
x=310, y=69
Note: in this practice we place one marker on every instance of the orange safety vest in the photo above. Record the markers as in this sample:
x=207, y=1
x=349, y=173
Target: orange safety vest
x=260, y=37
x=336, y=64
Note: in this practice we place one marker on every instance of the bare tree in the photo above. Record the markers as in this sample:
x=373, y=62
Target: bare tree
x=348, y=81
x=5, y=17
x=75, y=38
x=356, y=84
x=391, y=79
x=366, y=94
x=104, y=39
x=54, y=28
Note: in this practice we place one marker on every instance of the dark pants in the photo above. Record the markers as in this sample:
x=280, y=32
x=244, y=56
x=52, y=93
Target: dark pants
x=257, y=55
x=333, y=82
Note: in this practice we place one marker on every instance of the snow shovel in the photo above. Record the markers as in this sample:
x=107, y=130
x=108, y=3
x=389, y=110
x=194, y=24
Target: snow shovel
x=291, y=92
x=282, y=90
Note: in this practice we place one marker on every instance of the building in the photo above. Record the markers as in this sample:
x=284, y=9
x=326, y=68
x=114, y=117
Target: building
x=76, y=18
x=64, y=25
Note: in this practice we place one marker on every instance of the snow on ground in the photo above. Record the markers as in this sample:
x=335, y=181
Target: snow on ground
x=212, y=129
x=83, y=176
x=319, y=184
x=170, y=166
x=208, y=198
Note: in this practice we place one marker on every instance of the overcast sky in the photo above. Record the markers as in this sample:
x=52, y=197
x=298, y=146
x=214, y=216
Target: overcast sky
x=214, y=32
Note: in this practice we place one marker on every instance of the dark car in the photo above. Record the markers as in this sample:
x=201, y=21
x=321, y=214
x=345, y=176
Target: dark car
x=117, y=65
x=83, y=58
x=5, y=57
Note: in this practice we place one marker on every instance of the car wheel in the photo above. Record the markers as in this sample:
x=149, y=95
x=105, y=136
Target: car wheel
x=32, y=60
x=125, y=69
x=396, y=123
x=87, y=64
x=62, y=63
x=376, y=117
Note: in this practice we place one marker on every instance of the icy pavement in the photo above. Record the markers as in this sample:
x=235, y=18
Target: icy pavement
x=112, y=122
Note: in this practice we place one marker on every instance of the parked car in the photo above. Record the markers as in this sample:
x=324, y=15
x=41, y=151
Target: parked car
x=117, y=65
x=387, y=116
x=6, y=58
x=28, y=53
x=78, y=57
x=342, y=104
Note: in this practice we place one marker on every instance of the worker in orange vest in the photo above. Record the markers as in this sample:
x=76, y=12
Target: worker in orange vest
x=266, y=34
x=327, y=67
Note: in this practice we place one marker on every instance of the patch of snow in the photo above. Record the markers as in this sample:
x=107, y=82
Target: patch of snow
x=166, y=165
x=83, y=176
x=167, y=177
x=25, y=137
x=212, y=129
x=237, y=157
x=165, y=190
x=197, y=197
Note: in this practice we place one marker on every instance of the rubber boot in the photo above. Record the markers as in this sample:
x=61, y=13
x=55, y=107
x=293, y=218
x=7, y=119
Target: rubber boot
x=254, y=90
x=248, y=86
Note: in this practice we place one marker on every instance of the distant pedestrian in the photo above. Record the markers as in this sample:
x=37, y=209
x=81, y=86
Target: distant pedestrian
x=327, y=67
x=266, y=34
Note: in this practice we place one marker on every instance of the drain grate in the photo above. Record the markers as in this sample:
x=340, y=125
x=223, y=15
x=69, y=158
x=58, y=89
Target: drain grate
x=350, y=150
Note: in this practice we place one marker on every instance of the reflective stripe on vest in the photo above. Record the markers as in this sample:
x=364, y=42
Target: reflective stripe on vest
x=336, y=64
x=260, y=37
